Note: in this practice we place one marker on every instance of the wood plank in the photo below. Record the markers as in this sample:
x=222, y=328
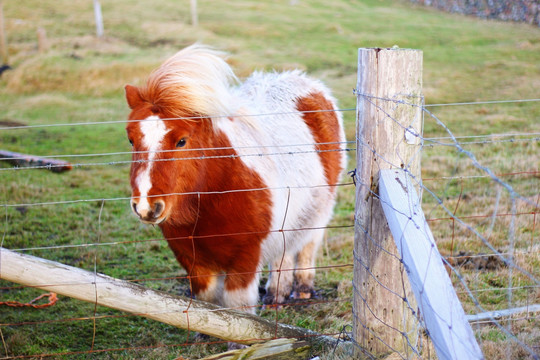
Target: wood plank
x=3, y=37
x=171, y=309
x=24, y=160
x=445, y=320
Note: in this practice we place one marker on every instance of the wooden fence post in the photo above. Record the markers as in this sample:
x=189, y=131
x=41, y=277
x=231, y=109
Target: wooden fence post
x=43, y=44
x=389, y=92
x=99, y=18
x=194, y=14
x=3, y=41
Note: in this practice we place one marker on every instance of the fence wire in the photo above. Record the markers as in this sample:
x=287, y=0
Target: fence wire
x=97, y=241
x=486, y=252
x=486, y=244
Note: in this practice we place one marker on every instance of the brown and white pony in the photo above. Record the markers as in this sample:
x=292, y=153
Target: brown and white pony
x=236, y=176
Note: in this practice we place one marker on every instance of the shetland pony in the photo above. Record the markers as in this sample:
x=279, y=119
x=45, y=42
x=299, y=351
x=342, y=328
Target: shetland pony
x=237, y=176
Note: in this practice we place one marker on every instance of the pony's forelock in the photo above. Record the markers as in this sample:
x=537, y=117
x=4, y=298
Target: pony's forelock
x=196, y=81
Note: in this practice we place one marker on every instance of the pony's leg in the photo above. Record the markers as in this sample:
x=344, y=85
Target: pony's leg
x=280, y=282
x=205, y=284
x=304, y=274
x=241, y=292
x=208, y=287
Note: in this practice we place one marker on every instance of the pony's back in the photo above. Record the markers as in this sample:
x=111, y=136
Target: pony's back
x=293, y=126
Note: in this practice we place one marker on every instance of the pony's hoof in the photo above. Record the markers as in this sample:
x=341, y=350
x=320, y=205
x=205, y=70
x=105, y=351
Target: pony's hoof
x=272, y=307
x=301, y=295
x=304, y=292
x=269, y=300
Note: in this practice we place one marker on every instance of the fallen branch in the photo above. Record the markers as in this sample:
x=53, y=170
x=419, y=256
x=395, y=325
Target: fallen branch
x=171, y=309
x=24, y=160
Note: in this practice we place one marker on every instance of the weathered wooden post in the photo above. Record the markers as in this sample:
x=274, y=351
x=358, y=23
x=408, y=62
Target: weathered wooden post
x=99, y=18
x=389, y=92
x=194, y=14
x=43, y=44
x=3, y=41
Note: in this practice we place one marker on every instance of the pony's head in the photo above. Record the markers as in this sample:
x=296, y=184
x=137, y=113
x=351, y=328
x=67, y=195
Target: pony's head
x=170, y=126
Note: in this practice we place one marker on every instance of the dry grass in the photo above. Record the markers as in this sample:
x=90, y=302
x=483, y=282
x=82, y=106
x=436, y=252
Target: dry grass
x=80, y=79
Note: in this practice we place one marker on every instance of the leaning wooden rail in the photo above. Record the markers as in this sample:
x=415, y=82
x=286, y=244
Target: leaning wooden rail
x=442, y=312
x=24, y=160
x=171, y=309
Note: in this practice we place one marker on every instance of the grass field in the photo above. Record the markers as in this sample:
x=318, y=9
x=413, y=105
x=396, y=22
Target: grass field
x=79, y=80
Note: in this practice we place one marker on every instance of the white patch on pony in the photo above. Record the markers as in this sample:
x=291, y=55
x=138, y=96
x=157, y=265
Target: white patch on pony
x=242, y=299
x=308, y=203
x=153, y=130
x=292, y=169
x=213, y=290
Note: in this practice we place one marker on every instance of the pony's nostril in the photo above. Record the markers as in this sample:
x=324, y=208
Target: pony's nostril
x=148, y=212
x=158, y=208
x=134, y=207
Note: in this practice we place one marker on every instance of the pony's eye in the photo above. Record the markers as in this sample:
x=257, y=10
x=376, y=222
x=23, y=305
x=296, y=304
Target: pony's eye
x=181, y=143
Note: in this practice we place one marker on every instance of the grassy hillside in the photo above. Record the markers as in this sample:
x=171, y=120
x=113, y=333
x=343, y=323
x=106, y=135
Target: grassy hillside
x=79, y=80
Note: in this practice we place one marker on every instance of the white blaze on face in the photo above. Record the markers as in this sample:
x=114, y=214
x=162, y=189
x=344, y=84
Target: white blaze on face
x=153, y=130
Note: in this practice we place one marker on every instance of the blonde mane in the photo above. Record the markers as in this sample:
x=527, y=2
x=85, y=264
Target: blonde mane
x=196, y=81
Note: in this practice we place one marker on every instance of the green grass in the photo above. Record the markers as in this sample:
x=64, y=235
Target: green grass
x=80, y=79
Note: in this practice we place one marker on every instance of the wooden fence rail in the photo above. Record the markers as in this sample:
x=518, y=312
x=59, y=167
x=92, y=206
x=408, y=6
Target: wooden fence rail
x=199, y=316
x=439, y=306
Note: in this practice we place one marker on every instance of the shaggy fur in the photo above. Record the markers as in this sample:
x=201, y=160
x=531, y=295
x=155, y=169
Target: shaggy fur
x=250, y=161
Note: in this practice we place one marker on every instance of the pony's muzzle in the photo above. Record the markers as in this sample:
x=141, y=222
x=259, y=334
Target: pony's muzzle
x=149, y=213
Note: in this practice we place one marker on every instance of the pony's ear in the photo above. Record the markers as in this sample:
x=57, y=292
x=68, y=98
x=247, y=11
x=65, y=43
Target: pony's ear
x=133, y=96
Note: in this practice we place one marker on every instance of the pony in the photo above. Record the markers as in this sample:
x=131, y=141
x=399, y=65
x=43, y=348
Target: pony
x=237, y=175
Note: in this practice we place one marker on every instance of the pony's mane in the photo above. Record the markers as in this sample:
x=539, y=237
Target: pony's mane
x=196, y=81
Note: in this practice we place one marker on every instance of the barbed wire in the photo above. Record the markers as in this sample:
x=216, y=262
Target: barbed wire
x=461, y=278
x=451, y=136
x=185, y=118
x=467, y=177
x=455, y=142
x=203, y=157
x=488, y=102
x=126, y=198
x=526, y=287
x=283, y=231
x=217, y=235
x=484, y=142
x=124, y=121
x=496, y=135
x=277, y=146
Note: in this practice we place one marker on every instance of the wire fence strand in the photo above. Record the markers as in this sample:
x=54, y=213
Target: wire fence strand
x=508, y=249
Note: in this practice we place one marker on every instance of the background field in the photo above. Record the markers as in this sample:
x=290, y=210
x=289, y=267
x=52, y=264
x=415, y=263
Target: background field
x=80, y=79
